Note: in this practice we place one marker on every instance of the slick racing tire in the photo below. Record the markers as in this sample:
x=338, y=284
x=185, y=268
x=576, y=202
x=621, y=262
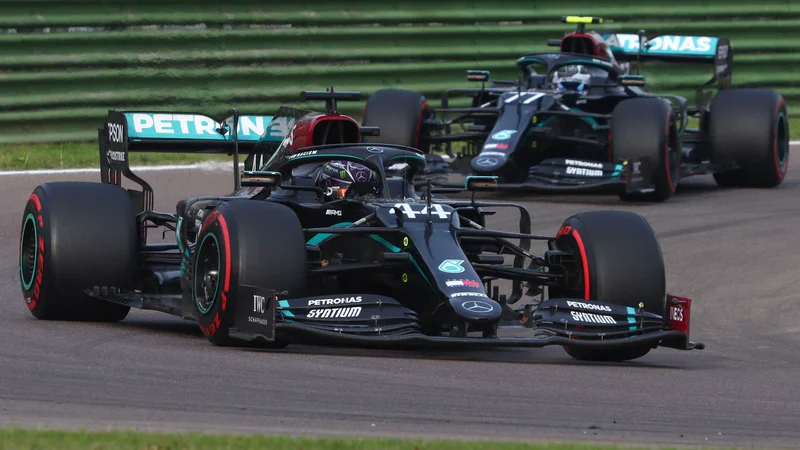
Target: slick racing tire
x=750, y=128
x=646, y=128
x=245, y=242
x=618, y=260
x=399, y=115
x=75, y=236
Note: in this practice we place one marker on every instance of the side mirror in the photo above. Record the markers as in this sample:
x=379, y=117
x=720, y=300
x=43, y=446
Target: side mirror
x=261, y=179
x=481, y=183
x=370, y=131
x=361, y=188
x=632, y=80
x=481, y=76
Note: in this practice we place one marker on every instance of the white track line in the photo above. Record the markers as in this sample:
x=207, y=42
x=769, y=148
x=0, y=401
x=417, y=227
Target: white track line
x=210, y=165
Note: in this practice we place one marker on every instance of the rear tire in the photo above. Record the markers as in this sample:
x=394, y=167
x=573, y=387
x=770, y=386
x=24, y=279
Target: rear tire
x=399, y=114
x=74, y=236
x=618, y=261
x=246, y=242
x=750, y=127
x=646, y=128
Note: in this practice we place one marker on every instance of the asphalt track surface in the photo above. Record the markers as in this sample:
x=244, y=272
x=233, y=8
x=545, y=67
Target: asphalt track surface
x=735, y=252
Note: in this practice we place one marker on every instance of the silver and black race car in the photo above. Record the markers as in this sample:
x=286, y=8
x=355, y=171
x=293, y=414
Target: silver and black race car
x=579, y=121
x=328, y=240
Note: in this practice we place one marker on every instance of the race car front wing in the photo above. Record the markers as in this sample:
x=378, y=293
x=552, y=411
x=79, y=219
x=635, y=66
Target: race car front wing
x=576, y=323
x=583, y=176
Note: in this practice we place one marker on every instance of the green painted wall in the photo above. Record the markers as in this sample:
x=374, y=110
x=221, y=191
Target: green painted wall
x=64, y=64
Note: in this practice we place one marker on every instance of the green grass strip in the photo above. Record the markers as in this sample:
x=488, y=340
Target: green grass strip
x=17, y=439
x=85, y=154
x=180, y=37
x=344, y=14
x=82, y=154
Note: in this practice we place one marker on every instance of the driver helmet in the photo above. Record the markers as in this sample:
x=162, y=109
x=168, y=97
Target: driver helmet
x=336, y=176
x=573, y=78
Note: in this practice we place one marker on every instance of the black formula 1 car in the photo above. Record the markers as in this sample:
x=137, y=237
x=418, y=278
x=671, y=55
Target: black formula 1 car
x=579, y=121
x=274, y=263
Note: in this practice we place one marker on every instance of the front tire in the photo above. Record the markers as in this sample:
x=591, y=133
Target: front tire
x=618, y=260
x=74, y=236
x=245, y=242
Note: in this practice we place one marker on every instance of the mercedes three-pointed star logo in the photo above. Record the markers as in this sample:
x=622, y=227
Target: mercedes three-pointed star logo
x=477, y=306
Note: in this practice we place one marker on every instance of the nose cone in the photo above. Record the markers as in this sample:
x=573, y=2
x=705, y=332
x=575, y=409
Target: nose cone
x=487, y=164
x=476, y=307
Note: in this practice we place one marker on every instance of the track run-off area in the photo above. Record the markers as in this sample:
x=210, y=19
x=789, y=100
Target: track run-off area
x=735, y=252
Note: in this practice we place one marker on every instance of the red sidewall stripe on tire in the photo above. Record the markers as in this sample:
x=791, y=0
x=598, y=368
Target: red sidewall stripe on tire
x=215, y=216
x=39, y=274
x=35, y=199
x=569, y=230
x=582, y=250
x=419, y=124
x=223, y=226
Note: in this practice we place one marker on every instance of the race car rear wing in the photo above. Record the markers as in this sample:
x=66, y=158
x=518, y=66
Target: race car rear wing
x=175, y=132
x=716, y=51
x=171, y=132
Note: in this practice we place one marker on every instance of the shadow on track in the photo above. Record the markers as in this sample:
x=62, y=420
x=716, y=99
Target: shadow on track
x=551, y=356
x=699, y=186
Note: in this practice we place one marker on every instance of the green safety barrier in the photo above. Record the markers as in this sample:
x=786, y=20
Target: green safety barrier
x=63, y=65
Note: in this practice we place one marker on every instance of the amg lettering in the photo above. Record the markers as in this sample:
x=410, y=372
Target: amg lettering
x=335, y=313
x=37, y=286
x=584, y=172
x=593, y=306
x=334, y=301
x=592, y=318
